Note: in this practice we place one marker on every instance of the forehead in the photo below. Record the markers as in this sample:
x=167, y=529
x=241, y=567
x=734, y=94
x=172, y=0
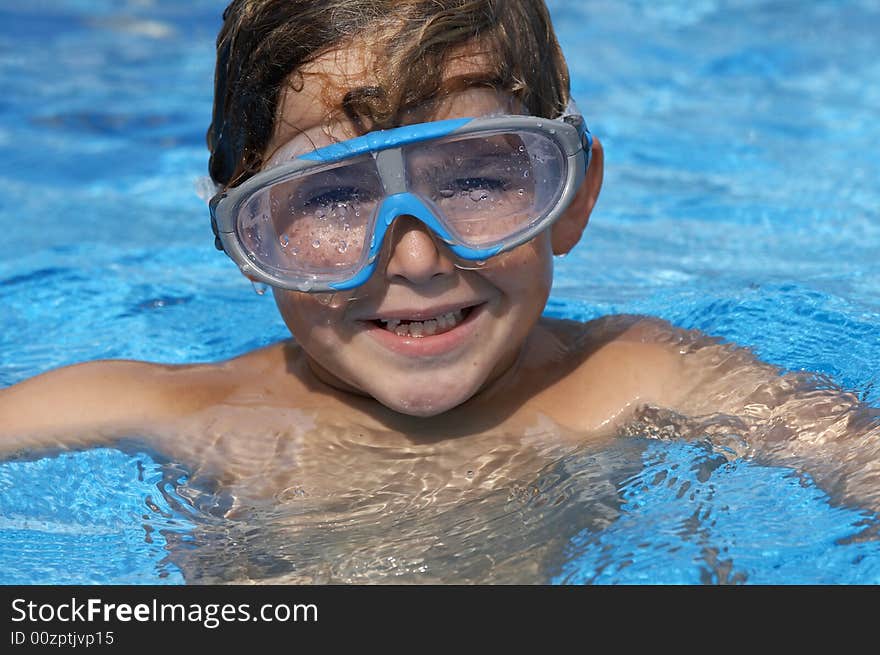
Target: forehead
x=311, y=100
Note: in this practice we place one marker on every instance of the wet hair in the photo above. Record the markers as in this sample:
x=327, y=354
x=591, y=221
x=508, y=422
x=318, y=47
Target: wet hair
x=263, y=43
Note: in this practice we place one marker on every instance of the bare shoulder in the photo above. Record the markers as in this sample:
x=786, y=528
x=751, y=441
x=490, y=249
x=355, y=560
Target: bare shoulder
x=615, y=364
x=593, y=375
x=627, y=342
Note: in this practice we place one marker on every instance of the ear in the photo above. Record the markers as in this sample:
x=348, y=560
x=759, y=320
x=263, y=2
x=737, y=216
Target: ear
x=567, y=229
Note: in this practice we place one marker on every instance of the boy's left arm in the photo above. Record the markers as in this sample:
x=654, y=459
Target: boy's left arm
x=798, y=420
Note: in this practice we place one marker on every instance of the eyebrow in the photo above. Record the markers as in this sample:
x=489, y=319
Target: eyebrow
x=470, y=80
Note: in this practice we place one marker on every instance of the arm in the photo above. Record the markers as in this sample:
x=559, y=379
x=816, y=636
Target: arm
x=796, y=420
x=97, y=402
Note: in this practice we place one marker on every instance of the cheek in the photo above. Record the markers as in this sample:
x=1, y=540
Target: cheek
x=312, y=318
x=526, y=271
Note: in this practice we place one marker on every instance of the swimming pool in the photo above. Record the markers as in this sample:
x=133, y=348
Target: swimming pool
x=740, y=199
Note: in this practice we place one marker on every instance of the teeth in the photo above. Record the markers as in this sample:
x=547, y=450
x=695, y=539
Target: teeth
x=442, y=323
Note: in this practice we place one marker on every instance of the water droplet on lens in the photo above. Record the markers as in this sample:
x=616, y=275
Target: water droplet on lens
x=446, y=193
x=525, y=173
x=520, y=192
x=260, y=288
x=320, y=212
x=284, y=240
x=342, y=247
x=304, y=285
x=244, y=268
x=522, y=148
x=478, y=194
x=316, y=243
x=469, y=475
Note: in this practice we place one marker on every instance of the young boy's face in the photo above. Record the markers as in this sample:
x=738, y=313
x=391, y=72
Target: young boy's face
x=480, y=313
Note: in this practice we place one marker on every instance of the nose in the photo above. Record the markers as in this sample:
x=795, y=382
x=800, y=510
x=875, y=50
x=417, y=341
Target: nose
x=414, y=253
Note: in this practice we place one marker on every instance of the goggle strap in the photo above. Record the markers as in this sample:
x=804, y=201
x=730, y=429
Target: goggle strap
x=218, y=244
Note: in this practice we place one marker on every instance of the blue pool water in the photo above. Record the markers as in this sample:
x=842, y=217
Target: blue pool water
x=740, y=199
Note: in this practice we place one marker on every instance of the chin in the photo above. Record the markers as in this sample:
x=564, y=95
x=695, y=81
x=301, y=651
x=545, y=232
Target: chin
x=421, y=405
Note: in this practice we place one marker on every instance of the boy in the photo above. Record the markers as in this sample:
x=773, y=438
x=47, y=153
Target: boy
x=402, y=174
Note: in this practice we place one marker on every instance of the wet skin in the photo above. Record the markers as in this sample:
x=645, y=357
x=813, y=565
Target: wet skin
x=417, y=276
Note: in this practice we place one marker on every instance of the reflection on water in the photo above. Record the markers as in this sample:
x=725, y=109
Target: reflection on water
x=507, y=520
x=692, y=515
x=669, y=500
x=99, y=516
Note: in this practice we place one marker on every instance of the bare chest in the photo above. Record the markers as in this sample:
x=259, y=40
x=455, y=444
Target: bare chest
x=262, y=453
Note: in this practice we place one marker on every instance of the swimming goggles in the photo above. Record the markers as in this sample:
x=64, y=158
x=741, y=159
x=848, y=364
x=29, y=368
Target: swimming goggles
x=481, y=185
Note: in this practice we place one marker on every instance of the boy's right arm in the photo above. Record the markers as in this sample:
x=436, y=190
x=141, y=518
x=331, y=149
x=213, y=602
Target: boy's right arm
x=96, y=402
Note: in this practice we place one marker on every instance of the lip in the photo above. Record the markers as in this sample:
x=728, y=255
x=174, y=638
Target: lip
x=426, y=346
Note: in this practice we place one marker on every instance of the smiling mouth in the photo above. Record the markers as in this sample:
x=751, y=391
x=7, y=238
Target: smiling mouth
x=427, y=328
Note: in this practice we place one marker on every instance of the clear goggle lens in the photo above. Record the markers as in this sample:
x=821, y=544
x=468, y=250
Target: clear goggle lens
x=486, y=190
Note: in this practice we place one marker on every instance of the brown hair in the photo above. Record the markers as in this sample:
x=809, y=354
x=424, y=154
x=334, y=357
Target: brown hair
x=263, y=41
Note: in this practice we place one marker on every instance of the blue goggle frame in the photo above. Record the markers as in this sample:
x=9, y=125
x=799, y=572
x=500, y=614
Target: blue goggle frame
x=569, y=131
